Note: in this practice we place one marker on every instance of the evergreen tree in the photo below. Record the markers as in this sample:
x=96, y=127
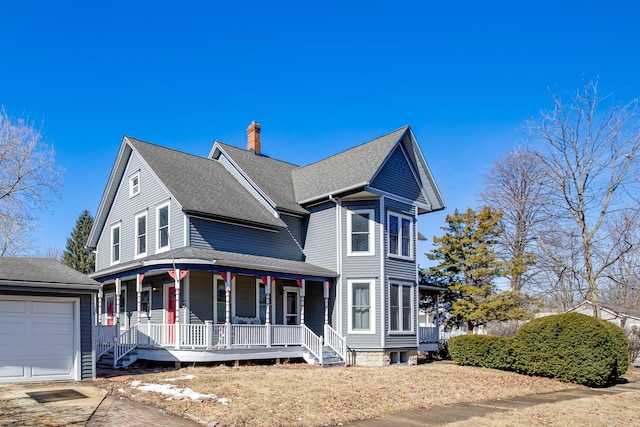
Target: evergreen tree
x=76, y=255
x=468, y=266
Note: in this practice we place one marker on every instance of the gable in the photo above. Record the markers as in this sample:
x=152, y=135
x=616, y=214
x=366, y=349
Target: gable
x=396, y=177
x=125, y=207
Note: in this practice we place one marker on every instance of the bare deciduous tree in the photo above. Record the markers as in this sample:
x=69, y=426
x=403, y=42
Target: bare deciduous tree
x=590, y=151
x=29, y=180
x=513, y=186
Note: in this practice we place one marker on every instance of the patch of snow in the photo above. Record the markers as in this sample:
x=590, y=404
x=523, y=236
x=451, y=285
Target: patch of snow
x=171, y=390
x=223, y=400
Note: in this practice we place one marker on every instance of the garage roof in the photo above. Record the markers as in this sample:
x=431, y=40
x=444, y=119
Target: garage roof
x=43, y=272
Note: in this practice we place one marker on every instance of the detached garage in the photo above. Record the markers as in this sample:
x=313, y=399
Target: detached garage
x=46, y=321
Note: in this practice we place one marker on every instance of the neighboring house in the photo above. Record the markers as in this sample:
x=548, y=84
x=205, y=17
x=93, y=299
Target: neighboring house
x=47, y=321
x=241, y=256
x=618, y=316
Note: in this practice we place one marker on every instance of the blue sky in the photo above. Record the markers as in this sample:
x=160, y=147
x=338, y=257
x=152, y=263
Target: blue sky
x=320, y=77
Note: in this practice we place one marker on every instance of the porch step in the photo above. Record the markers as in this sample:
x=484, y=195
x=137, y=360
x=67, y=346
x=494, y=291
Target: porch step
x=329, y=358
x=106, y=360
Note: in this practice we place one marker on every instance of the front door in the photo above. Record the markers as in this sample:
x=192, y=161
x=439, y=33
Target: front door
x=111, y=308
x=291, y=307
x=172, y=305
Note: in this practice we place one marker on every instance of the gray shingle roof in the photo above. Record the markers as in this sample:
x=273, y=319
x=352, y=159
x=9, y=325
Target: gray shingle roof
x=219, y=260
x=346, y=170
x=203, y=185
x=271, y=175
x=30, y=272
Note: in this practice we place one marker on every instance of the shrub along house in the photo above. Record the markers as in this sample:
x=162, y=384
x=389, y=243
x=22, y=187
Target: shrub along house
x=238, y=256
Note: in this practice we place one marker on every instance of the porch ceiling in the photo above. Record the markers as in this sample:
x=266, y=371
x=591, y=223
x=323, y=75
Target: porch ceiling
x=214, y=260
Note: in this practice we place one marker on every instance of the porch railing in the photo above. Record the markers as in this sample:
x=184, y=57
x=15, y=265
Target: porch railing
x=209, y=335
x=312, y=342
x=105, y=339
x=334, y=340
x=125, y=344
x=286, y=335
x=429, y=334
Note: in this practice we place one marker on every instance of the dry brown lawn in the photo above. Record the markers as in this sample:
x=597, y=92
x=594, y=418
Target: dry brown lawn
x=299, y=394
x=602, y=411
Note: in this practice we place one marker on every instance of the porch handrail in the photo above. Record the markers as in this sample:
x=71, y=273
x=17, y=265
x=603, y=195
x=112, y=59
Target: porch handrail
x=336, y=341
x=125, y=343
x=193, y=335
x=286, y=335
x=106, y=339
x=312, y=342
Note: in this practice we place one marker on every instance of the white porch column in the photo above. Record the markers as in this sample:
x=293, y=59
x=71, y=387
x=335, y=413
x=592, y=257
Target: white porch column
x=302, y=292
x=227, y=309
x=118, y=291
x=139, y=278
x=326, y=302
x=100, y=297
x=176, y=281
x=267, y=292
x=267, y=321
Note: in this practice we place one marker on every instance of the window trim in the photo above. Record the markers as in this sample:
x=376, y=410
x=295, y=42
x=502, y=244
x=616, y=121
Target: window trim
x=372, y=306
x=134, y=189
x=158, y=247
x=371, y=214
x=111, y=244
x=400, y=237
x=138, y=254
x=146, y=289
x=402, y=331
x=216, y=301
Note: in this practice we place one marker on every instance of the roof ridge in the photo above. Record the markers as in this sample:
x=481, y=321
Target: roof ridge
x=404, y=128
x=165, y=148
x=264, y=156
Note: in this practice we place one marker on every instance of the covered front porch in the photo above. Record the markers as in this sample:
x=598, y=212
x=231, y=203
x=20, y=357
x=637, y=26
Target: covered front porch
x=195, y=313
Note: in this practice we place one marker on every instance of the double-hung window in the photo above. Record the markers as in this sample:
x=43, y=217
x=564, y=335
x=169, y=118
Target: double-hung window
x=400, y=235
x=141, y=234
x=115, y=244
x=162, y=232
x=361, y=306
x=400, y=308
x=360, y=230
x=134, y=184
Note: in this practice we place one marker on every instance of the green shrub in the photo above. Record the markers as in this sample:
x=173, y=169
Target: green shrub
x=481, y=350
x=570, y=347
x=620, y=346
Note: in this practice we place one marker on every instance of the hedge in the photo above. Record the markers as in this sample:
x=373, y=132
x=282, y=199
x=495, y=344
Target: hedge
x=481, y=350
x=569, y=347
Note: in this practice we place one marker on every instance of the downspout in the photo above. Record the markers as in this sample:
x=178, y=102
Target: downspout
x=339, y=296
x=383, y=275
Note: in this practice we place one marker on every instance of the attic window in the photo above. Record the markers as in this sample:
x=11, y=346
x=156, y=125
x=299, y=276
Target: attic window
x=134, y=184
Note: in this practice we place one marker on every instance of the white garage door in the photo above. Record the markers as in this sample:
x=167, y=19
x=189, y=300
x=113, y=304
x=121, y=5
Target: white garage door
x=37, y=340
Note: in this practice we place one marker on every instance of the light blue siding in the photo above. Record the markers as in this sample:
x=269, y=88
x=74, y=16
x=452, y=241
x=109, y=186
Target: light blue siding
x=365, y=268
x=233, y=238
x=200, y=302
x=125, y=208
x=396, y=177
x=401, y=271
x=321, y=239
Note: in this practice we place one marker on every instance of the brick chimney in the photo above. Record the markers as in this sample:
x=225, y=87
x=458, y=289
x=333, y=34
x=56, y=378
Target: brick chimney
x=253, y=137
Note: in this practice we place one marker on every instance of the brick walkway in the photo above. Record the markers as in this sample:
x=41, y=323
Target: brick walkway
x=114, y=412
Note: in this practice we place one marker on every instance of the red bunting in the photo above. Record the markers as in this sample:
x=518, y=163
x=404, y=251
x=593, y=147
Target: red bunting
x=223, y=274
x=172, y=274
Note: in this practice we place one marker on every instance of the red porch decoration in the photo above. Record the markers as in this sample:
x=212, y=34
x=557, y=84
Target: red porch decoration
x=299, y=282
x=141, y=275
x=172, y=274
x=223, y=274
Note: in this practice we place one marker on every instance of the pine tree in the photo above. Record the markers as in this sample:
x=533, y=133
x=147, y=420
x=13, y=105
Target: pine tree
x=468, y=266
x=76, y=255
